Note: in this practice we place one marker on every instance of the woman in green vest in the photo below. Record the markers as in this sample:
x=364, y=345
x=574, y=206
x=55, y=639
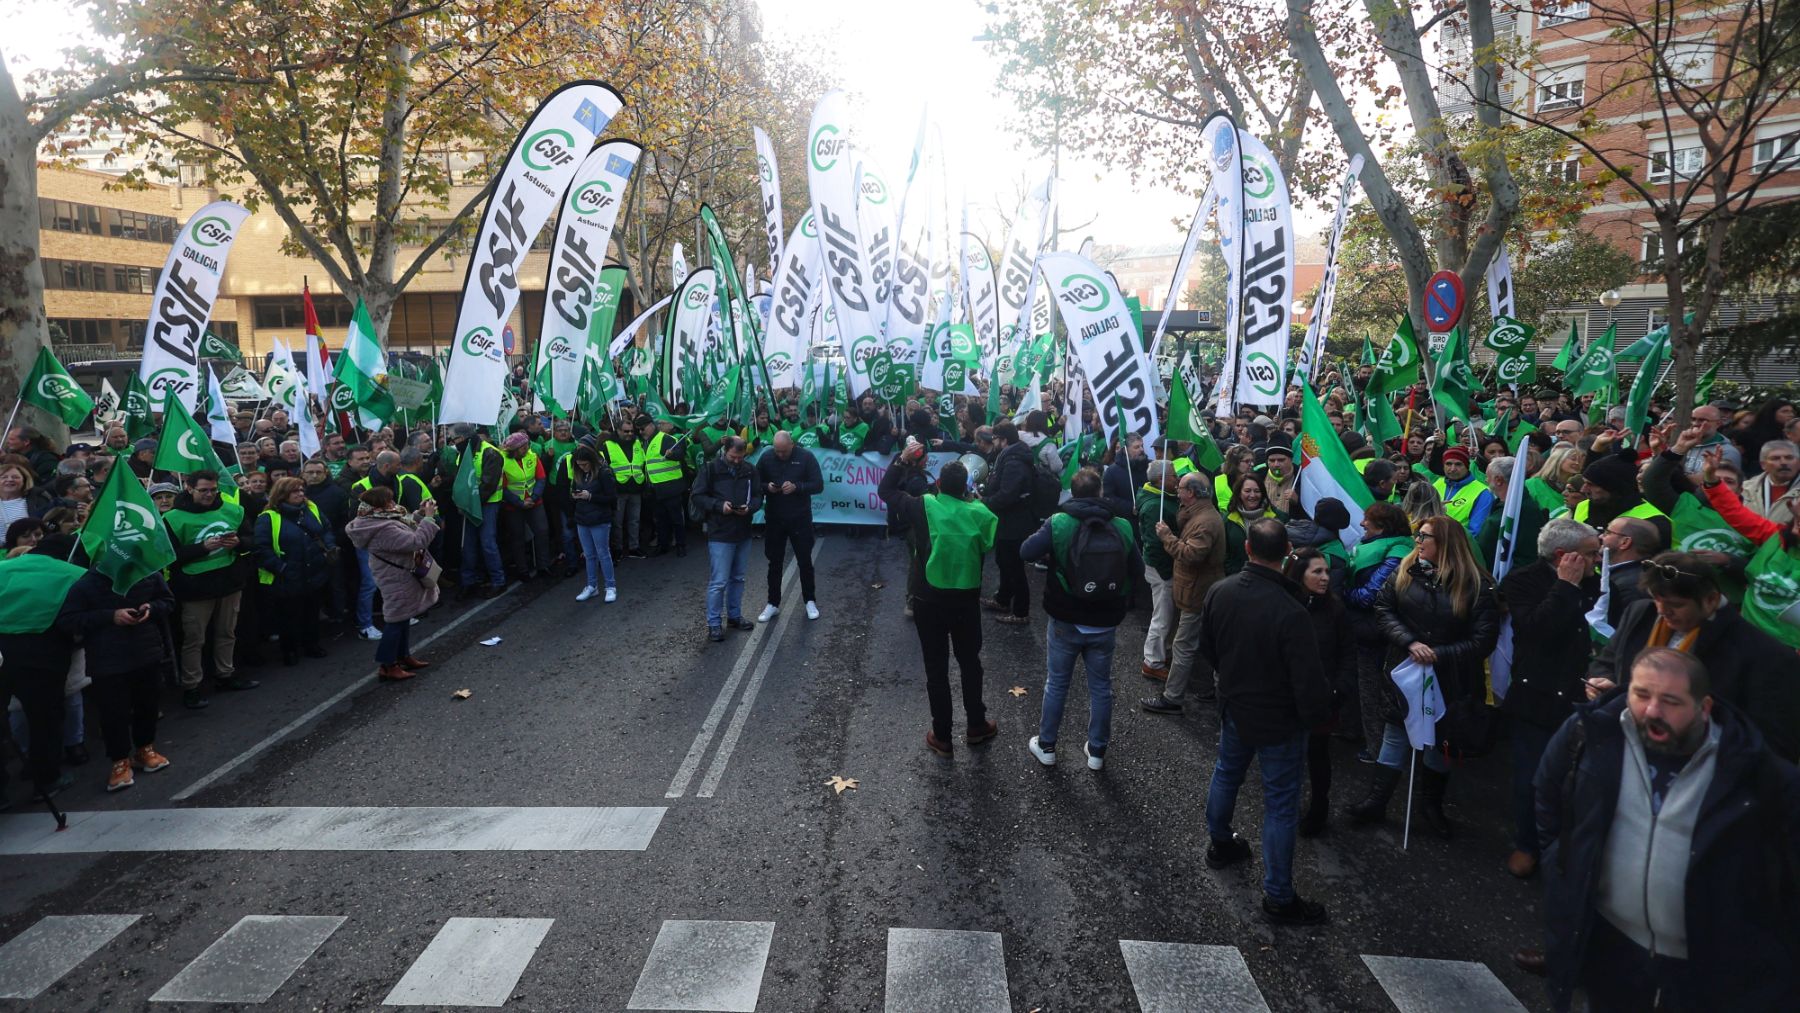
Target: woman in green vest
x=1547, y=486
x=1249, y=503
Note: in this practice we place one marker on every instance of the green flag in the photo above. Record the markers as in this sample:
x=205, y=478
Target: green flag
x=1643, y=386
x=1453, y=387
x=724, y=396
x=1368, y=352
x=214, y=347
x=185, y=446
x=1325, y=468
x=1595, y=369
x=1703, y=389
x=32, y=589
x=124, y=535
x=1699, y=528
x=50, y=387
x=1510, y=341
x=1571, y=350
x=138, y=418
x=1398, y=365
x=1383, y=424
x=466, y=492
x=541, y=381
x=1181, y=425
x=1519, y=433
x=360, y=367
x=1772, y=603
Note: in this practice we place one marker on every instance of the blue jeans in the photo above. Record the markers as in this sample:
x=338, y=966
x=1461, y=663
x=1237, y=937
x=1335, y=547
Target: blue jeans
x=1283, y=767
x=365, y=592
x=596, y=545
x=725, y=588
x=1395, y=745
x=481, y=544
x=395, y=643
x=1063, y=643
x=1528, y=744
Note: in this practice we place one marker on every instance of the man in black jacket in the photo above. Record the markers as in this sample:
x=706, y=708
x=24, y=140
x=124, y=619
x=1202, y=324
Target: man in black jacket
x=1007, y=493
x=1272, y=688
x=207, y=581
x=126, y=639
x=1672, y=840
x=790, y=478
x=1750, y=669
x=727, y=493
x=1548, y=603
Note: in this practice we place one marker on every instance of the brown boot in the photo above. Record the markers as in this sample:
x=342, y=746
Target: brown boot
x=394, y=673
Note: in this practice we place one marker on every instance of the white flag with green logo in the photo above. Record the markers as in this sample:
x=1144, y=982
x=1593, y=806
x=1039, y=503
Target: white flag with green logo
x=769, y=176
x=797, y=291
x=584, y=226
x=690, y=326
x=1325, y=468
x=183, y=301
x=1104, y=338
x=284, y=382
x=833, y=178
x=534, y=178
x=1267, y=284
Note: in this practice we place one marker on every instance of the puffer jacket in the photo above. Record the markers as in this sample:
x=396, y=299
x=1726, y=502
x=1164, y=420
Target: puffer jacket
x=1550, y=661
x=1336, y=640
x=603, y=487
x=303, y=565
x=1424, y=612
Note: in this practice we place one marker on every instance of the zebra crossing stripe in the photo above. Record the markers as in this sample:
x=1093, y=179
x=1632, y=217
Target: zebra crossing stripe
x=705, y=965
x=943, y=969
x=471, y=962
x=1177, y=977
x=251, y=961
x=34, y=959
x=1418, y=985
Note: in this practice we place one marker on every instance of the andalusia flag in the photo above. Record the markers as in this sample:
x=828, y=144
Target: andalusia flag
x=50, y=387
x=360, y=368
x=1325, y=468
x=124, y=535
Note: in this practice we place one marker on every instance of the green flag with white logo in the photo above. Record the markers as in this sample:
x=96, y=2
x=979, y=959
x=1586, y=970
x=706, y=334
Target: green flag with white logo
x=1596, y=369
x=465, y=492
x=1699, y=528
x=50, y=387
x=214, y=347
x=1772, y=602
x=185, y=446
x=1643, y=386
x=1703, y=389
x=124, y=535
x=1453, y=387
x=1510, y=341
x=1571, y=350
x=138, y=417
x=1398, y=366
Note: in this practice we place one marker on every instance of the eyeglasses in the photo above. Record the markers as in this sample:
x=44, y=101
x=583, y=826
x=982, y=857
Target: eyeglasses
x=1667, y=572
x=1422, y=536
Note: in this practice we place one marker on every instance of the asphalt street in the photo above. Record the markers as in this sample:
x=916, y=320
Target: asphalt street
x=621, y=815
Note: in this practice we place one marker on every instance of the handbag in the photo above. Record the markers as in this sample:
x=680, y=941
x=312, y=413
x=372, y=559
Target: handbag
x=424, y=568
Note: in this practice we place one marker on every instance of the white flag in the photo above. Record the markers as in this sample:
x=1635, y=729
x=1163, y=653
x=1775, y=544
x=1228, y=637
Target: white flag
x=678, y=268
x=629, y=334
x=183, y=302
x=1018, y=259
x=984, y=300
x=1507, y=545
x=690, y=329
x=1219, y=140
x=107, y=404
x=835, y=182
x=1194, y=232
x=534, y=178
x=1500, y=285
x=1424, y=701
x=1267, y=284
x=769, y=176
x=1103, y=338
x=218, y=414
x=283, y=381
x=584, y=226
x=796, y=292
x=1598, y=628
x=1312, y=350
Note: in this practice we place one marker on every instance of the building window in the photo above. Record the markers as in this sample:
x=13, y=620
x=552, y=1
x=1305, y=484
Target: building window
x=1653, y=246
x=285, y=312
x=1565, y=170
x=1690, y=62
x=1684, y=162
x=1777, y=153
x=1562, y=13
x=81, y=276
x=69, y=216
x=1562, y=89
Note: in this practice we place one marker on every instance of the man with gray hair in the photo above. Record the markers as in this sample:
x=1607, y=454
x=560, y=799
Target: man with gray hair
x=1532, y=516
x=1157, y=501
x=1199, y=555
x=1771, y=494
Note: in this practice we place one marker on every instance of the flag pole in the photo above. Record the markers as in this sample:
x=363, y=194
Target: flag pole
x=1411, y=771
x=10, y=419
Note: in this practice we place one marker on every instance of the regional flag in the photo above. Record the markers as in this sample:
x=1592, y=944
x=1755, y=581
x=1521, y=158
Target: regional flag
x=1326, y=471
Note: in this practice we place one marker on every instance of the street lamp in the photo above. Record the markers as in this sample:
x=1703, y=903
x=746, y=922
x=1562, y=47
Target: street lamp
x=1611, y=299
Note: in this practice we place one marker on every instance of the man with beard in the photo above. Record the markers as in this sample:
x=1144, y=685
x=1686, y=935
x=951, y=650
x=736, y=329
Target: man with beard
x=1670, y=828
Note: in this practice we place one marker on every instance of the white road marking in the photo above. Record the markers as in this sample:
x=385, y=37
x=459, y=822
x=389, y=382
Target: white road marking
x=1177, y=977
x=339, y=828
x=1418, y=985
x=471, y=962
x=705, y=965
x=728, y=744
x=690, y=764
x=34, y=959
x=300, y=722
x=941, y=969
x=251, y=961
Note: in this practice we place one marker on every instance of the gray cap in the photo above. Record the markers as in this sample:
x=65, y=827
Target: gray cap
x=158, y=488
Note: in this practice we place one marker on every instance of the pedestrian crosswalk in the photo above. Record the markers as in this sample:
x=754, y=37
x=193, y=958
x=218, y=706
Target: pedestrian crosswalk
x=695, y=965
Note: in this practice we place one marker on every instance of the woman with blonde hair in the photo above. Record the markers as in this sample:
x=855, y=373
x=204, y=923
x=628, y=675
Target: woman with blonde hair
x=1421, y=502
x=1546, y=487
x=1438, y=610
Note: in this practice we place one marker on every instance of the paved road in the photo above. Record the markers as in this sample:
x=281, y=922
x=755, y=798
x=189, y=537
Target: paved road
x=623, y=816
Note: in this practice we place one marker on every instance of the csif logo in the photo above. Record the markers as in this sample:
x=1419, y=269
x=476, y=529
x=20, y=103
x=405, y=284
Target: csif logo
x=560, y=349
x=862, y=350
x=342, y=398
x=1775, y=592
x=1081, y=289
x=780, y=364
x=548, y=149
x=590, y=197
x=826, y=144
x=133, y=522
x=697, y=296
x=187, y=446
x=1259, y=178
x=55, y=387
x=1512, y=370
x=808, y=228
x=1264, y=374
x=605, y=294
x=873, y=189
x=766, y=170
x=210, y=232
x=480, y=343
x=172, y=380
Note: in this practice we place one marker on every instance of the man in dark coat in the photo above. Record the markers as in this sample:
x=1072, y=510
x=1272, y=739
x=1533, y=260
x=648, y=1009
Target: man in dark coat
x=790, y=477
x=1672, y=840
x=1272, y=688
x=126, y=641
x=727, y=493
x=1008, y=495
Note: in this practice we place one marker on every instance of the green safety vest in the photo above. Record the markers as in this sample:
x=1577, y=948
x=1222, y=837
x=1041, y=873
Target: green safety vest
x=627, y=463
x=189, y=528
x=1460, y=506
x=962, y=531
x=265, y=576
x=657, y=467
x=1644, y=510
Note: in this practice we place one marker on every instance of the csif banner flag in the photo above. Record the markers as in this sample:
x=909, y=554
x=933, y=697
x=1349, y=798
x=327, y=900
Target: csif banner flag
x=769, y=176
x=584, y=226
x=1500, y=285
x=833, y=176
x=184, y=299
x=687, y=332
x=796, y=293
x=1220, y=142
x=1017, y=271
x=1181, y=265
x=535, y=177
x=1312, y=352
x=1104, y=338
x=1266, y=288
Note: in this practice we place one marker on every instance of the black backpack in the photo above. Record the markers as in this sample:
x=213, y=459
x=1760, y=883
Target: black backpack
x=1046, y=490
x=1098, y=568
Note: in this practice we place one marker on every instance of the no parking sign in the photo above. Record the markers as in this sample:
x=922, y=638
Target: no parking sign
x=1443, y=300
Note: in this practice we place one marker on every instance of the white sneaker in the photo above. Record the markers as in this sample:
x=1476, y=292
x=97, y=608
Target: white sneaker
x=812, y=610
x=414, y=621
x=769, y=612
x=370, y=633
x=587, y=592
x=612, y=594
x=1094, y=762
x=1047, y=757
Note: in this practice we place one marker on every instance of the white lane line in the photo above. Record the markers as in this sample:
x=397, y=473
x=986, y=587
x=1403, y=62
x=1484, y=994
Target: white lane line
x=471, y=962
x=292, y=726
x=34, y=959
x=1177, y=977
x=942, y=969
x=690, y=764
x=704, y=965
x=251, y=961
x=339, y=828
x=728, y=744
x=1418, y=985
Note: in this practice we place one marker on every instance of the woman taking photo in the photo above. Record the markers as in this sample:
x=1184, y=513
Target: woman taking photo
x=398, y=543
x=1439, y=610
x=1249, y=503
x=295, y=554
x=1331, y=629
x=594, y=489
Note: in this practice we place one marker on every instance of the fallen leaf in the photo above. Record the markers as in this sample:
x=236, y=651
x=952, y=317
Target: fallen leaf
x=840, y=783
x=463, y=694
x=1017, y=691
x=878, y=585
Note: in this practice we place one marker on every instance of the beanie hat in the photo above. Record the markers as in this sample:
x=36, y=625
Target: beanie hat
x=1456, y=454
x=1331, y=514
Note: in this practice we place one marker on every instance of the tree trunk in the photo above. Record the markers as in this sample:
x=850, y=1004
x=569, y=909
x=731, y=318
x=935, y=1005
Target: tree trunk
x=1683, y=340
x=22, y=327
x=380, y=299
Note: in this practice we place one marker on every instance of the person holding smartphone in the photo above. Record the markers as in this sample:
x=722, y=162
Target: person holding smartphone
x=728, y=494
x=126, y=638
x=207, y=532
